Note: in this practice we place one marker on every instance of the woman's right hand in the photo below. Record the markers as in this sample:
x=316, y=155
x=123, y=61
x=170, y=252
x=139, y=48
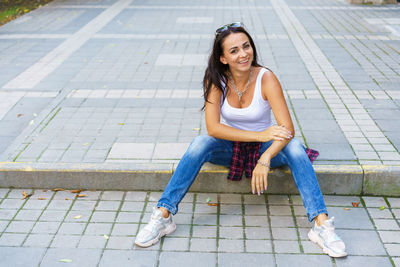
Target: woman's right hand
x=276, y=133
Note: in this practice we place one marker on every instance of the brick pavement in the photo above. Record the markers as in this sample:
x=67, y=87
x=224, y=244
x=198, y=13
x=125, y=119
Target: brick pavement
x=99, y=230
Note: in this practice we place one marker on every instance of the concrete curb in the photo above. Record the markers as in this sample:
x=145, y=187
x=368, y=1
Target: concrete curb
x=333, y=179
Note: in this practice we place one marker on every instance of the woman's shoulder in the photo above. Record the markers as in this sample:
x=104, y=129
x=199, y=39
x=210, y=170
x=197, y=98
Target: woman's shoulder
x=268, y=76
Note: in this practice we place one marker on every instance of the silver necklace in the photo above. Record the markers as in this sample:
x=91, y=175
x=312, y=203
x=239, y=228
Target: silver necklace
x=240, y=94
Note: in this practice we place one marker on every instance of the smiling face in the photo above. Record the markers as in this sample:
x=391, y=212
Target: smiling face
x=237, y=52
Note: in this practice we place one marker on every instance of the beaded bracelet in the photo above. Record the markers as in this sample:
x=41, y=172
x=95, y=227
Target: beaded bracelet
x=265, y=164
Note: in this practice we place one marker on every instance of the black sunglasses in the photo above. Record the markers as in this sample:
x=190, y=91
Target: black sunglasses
x=225, y=27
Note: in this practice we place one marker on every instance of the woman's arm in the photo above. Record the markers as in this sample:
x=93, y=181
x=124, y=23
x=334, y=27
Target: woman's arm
x=271, y=88
x=218, y=130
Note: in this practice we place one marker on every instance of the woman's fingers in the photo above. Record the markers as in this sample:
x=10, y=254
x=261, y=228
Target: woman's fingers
x=265, y=180
x=253, y=184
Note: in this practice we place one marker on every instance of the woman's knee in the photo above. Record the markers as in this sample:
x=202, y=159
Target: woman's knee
x=199, y=145
x=294, y=148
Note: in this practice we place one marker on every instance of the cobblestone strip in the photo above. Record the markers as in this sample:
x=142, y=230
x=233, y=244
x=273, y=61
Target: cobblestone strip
x=37, y=72
x=352, y=118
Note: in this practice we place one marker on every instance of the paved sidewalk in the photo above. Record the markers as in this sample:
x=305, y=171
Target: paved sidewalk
x=98, y=229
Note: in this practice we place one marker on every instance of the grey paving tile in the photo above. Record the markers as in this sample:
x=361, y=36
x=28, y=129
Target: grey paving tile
x=204, y=231
x=111, y=258
x=310, y=247
x=230, y=220
x=394, y=202
x=345, y=218
x=7, y=214
x=231, y=209
x=242, y=259
x=280, y=210
x=230, y=245
x=103, y=216
x=261, y=246
x=204, y=219
x=20, y=257
x=390, y=236
x=78, y=216
x=12, y=239
x=83, y=205
x=284, y=233
x=386, y=224
x=71, y=228
x=135, y=196
x=254, y=199
x=19, y=227
x=231, y=232
x=377, y=213
x=282, y=221
x=38, y=240
x=286, y=246
x=257, y=233
x=203, y=244
x=120, y=242
x=374, y=201
x=112, y=195
x=230, y=198
x=98, y=229
x=65, y=241
x=175, y=244
x=46, y=227
x=53, y=215
x=182, y=218
x=344, y=201
x=361, y=242
x=91, y=241
x=108, y=205
x=60, y=205
x=10, y=203
x=129, y=217
x=363, y=261
x=28, y=215
x=53, y=256
x=303, y=260
x=124, y=229
x=189, y=258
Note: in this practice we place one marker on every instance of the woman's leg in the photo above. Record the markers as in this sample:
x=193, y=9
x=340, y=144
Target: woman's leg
x=294, y=155
x=203, y=148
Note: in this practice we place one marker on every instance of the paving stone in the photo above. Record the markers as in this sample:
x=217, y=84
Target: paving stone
x=394, y=202
x=112, y=258
x=254, y=199
x=396, y=213
x=7, y=214
x=120, y=242
x=28, y=215
x=14, y=239
x=203, y=219
x=310, y=247
x=363, y=261
x=203, y=244
x=175, y=244
x=390, y=236
x=19, y=227
x=38, y=240
x=345, y=218
x=78, y=216
x=261, y=221
x=135, y=196
x=386, y=224
x=182, y=218
x=278, y=200
x=103, y=216
x=22, y=256
x=83, y=205
x=230, y=209
x=230, y=245
x=189, y=258
x=284, y=233
x=393, y=249
x=230, y=199
x=280, y=210
x=230, y=220
x=261, y=246
x=200, y=208
x=361, y=242
x=302, y=260
x=286, y=246
x=71, y=228
x=12, y=203
x=98, y=229
x=257, y=233
x=204, y=231
x=374, y=201
x=35, y=204
x=59, y=205
x=91, y=241
x=109, y=205
x=132, y=217
x=255, y=209
x=53, y=256
x=242, y=259
x=122, y=229
x=380, y=214
x=53, y=215
x=65, y=241
x=231, y=232
x=344, y=201
x=46, y=227
x=282, y=221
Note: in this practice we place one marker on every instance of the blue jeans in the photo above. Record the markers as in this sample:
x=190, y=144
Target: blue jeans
x=205, y=148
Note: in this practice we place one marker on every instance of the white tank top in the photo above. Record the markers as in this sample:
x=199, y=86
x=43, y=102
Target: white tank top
x=256, y=117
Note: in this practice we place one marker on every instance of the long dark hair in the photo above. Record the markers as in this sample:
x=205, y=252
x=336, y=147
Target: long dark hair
x=215, y=73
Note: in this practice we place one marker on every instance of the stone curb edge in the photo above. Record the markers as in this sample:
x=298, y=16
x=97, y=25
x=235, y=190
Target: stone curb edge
x=333, y=179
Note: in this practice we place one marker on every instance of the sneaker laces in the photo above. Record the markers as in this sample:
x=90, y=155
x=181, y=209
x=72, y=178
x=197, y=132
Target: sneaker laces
x=329, y=235
x=155, y=220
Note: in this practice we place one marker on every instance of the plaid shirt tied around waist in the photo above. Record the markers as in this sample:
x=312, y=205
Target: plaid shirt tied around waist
x=245, y=156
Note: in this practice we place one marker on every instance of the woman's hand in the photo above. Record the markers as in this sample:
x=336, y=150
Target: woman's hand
x=259, y=177
x=276, y=133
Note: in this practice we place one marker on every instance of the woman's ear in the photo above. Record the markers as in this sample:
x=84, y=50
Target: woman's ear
x=223, y=60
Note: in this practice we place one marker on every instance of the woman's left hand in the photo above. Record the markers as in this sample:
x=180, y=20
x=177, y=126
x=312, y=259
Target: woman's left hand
x=259, y=178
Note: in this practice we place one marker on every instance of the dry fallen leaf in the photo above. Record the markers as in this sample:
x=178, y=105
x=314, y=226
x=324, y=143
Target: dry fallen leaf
x=355, y=204
x=66, y=198
x=212, y=204
x=19, y=115
x=81, y=195
x=382, y=208
x=65, y=260
x=25, y=195
x=77, y=216
x=346, y=208
x=85, y=144
x=76, y=191
x=106, y=237
x=44, y=190
x=57, y=189
x=196, y=129
x=41, y=198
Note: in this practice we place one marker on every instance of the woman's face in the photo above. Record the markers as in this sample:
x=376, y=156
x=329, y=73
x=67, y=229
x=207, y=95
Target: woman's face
x=237, y=52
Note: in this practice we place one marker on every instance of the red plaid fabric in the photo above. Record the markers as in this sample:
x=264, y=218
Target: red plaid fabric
x=245, y=157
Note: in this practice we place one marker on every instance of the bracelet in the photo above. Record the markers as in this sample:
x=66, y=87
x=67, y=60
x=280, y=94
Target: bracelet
x=265, y=164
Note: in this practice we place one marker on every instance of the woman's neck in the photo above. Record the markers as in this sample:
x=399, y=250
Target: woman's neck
x=240, y=78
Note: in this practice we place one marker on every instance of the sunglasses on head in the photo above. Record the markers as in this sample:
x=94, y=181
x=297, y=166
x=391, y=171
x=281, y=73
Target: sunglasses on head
x=225, y=27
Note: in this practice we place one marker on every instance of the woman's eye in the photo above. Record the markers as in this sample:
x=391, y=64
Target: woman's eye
x=246, y=46
x=233, y=51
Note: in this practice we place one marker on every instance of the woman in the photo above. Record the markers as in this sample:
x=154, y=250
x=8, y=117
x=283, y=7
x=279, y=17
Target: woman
x=240, y=90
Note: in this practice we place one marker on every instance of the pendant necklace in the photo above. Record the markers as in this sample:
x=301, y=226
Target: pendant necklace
x=234, y=86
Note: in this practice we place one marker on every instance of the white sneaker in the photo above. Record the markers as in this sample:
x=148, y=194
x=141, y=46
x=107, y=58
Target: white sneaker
x=327, y=239
x=155, y=229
